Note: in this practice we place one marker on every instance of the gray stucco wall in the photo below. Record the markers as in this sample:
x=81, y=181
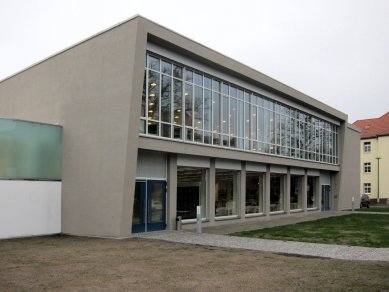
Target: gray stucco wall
x=348, y=178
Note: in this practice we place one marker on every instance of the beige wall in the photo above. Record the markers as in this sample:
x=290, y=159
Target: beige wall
x=379, y=148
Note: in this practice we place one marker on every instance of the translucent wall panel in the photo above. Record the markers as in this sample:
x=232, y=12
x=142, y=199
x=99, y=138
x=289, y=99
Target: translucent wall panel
x=30, y=150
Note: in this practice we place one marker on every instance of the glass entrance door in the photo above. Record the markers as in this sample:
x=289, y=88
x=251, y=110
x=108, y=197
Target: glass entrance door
x=149, y=206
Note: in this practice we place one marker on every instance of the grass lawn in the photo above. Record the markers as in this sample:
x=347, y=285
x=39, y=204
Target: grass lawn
x=370, y=230
x=374, y=209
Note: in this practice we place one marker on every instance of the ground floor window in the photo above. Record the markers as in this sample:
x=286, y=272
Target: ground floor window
x=312, y=193
x=191, y=192
x=254, y=192
x=226, y=192
x=367, y=188
x=296, y=192
x=277, y=193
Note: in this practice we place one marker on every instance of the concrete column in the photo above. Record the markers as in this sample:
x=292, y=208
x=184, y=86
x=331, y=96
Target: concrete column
x=287, y=192
x=305, y=181
x=211, y=192
x=171, y=201
x=267, y=191
x=242, y=192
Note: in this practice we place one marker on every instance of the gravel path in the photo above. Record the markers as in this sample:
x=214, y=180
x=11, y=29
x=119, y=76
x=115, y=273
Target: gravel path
x=277, y=246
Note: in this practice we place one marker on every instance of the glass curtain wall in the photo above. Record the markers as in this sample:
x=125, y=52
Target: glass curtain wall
x=182, y=103
x=296, y=192
x=277, y=192
x=191, y=192
x=312, y=191
x=226, y=192
x=255, y=189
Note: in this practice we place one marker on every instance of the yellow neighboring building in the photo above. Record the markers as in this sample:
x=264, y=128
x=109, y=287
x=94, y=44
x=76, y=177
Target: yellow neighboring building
x=375, y=158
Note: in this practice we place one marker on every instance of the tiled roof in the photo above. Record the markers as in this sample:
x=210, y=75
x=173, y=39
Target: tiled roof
x=374, y=127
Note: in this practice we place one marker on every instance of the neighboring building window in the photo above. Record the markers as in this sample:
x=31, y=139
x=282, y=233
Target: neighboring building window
x=181, y=103
x=367, y=147
x=367, y=167
x=367, y=188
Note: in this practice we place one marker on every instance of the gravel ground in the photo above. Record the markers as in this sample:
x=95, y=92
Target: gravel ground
x=276, y=246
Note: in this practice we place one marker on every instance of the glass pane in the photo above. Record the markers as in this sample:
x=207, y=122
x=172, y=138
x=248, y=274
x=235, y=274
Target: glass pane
x=208, y=82
x=189, y=75
x=225, y=115
x=188, y=105
x=153, y=106
x=276, y=192
x=226, y=197
x=137, y=213
x=177, y=91
x=177, y=71
x=143, y=108
x=216, y=112
x=165, y=129
x=254, y=192
x=166, y=68
x=198, y=107
x=153, y=63
x=216, y=85
x=233, y=116
x=152, y=128
x=207, y=109
x=296, y=192
x=157, y=196
x=191, y=192
x=166, y=94
x=30, y=150
x=198, y=79
x=312, y=193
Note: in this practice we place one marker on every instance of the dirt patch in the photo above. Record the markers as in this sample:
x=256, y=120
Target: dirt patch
x=75, y=263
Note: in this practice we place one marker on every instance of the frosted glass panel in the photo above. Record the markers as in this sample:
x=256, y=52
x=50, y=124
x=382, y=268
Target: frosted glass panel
x=30, y=150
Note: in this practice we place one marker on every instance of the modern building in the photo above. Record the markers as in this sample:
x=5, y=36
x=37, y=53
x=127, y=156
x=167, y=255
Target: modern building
x=155, y=124
x=375, y=158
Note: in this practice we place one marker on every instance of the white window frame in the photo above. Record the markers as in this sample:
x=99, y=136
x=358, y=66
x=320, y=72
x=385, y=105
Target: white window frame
x=367, y=147
x=367, y=167
x=367, y=188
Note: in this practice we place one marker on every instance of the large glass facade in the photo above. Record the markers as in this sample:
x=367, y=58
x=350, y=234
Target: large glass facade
x=182, y=103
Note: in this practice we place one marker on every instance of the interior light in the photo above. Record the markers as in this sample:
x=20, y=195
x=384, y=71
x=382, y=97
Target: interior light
x=199, y=122
x=224, y=122
x=151, y=103
x=152, y=95
x=186, y=93
x=247, y=121
x=153, y=84
x=178, y=110
x=150, y=111
x=176, y=117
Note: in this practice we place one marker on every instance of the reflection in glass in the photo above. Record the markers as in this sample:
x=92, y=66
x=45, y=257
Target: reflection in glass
x=296, y=192
x=226, y=193
x=191, y=192
x=277, y=192
x=254, y=192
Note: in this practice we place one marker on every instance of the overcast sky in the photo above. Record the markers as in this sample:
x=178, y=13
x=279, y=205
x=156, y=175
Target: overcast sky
x=336, y=51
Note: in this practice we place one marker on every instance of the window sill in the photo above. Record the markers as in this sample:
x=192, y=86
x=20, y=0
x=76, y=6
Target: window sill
x=296, y=210
x=254, y=215
x=231, y=217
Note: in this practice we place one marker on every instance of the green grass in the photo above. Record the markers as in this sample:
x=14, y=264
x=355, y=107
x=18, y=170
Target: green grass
x=374, y=209
x=370, y=230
